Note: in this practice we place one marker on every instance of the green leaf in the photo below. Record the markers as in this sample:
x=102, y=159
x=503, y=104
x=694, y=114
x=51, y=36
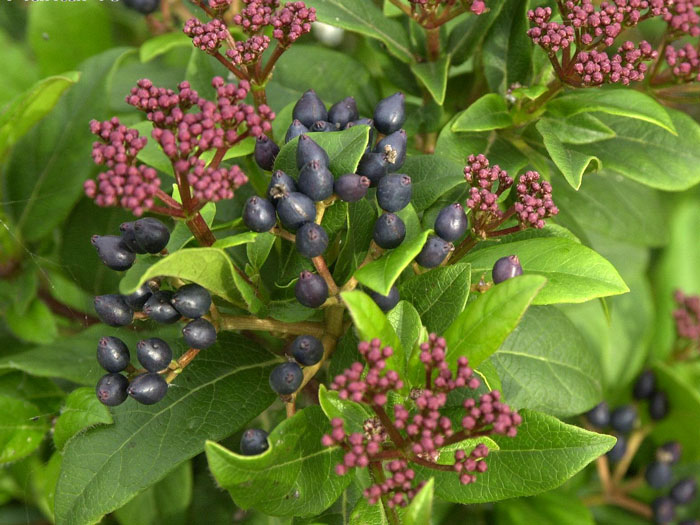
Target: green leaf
x=354, y=414
x=618, y=101
x=406, y=323
x=30, y=107
x=362, y=16
x=152, y=154
x=285, y=479
x=344, y=148
x=439, y=295
x=433, y=75
x=551, y=508
x=39, y=391
x=161, y=44
x=420, y=510
x=487, y=113
x=259, y=249
x=486, y=322
x=236, y=240
x=106, y=466
x=21, y=430
x=544, y=454
x=209, y=267
x=82, y=410
x=368, y=514
x=571, y=163
x=380, y=275
x=36, y=325
x=361, y=217
x=371, y=322
x=574, y=272
x=431, y=177
x=470, y=32
x=580, y=128
x=545, y=365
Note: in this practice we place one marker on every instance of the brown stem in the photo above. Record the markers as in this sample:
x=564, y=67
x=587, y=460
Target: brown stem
x=284, y=234
x=218, y=157
x=630, y=504
x=229, y=65
x=204, y=7
x=63, y=310
x=464, y=247
x=230, y=322
x=185, y=359
x=259, y=96
x=603, y=467
x=433, y=44
x=505, y=231
x=333, y=331
x=374, y=252
x=429, y=464
x=170, y=212
x=200, y=230
x=291, y=407
x=276, y=54
x=394, y=434
x=633, y=444
x=167, y=199
x=322, y=269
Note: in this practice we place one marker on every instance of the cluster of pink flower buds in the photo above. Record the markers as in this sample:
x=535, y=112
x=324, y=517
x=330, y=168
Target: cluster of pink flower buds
x=292, y=21
x=684, y=63
x=477, y=7
x=207, y=37
x=534, y=202
x=682, y=17
x=248, y=51
x=687, y=315
x=627, y=65
x=482, y=177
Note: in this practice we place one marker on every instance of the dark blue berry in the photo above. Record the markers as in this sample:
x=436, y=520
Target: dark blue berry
x=311, y=290
x=618, y=451
x=307, y=350
x=389, y=231
x=113, y=310
x=308, y=150
x=151, y=235
x=259, y=214
x=145, y=7
x=393, y=147
x=311, y=240
x=599, y=415
x=684, y=491
x=365, y=122
x=658, y=474
x=148, y=389
x=658, y=405
x=451, y=222
x=373, y=166
x=390, y=113
x=351, y=187
x=154, y=354
x=506, y=268
x=295, y=210
x=670, y=452
x=309, y=108
x=192, y=300
x=315, y=181
x=137, y=299
x=343, y=112
x=129, y=237
x=111, y=389
x=295, y=129
x=321, y=126
x=199, y=333
x=664, y=510
x=645, y=385
x=386, y=302
x=254, y=442
x=434, y=252
x=113, y=354
x=280, y=184
x=265, y=152
x=286, y=378
x=623, y=418
x=394, y=192
x=159, y=308
x=114, y=252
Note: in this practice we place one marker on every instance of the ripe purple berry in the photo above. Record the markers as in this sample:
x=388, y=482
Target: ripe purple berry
x=618, y=451
x=254, y=442
x=434, y=252
x=137, y=299
x=390, y=113
x=394, y=192
x=623, y=418
x=113, y=251
x=311, y=240
x=311, y=290
x=148, y=389
x=373, y=166
x=658, y=474
x=308, y=150
x=321, y=126
x=159, y=308
x=280, y=184
x=192, y=300
x=599, y=415
x=145, y=7
x=307, y=350
x=154, y=354
x=309, y=108
x=151, y=234
x=113, y=310
x=351, y=187
x=199, y=333
x=645, y=385
x=658, y=405
x=259, y=214
x=451, y=222
x=684, y=491
x=266, y=152
x=372, y=132
x=386, y=302
x=295, y=210
x=670, y=452
x=389, y=231
x=393, y=147
x=506, y=268
x=343, y=112
x=111, y=389
x=113, y=354
x=295, y=129
x=286, y=378
x=129, y=237
x=664, y=510
x=315, y=181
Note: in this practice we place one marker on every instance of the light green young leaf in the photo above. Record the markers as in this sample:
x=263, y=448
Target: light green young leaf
x=420, y=510
x=368, y=514
x=407, y=325
x=354, y=414
x=21, y=430
x=487, y=113
x=433, y=76
x=161, y=44
x=36, y=325
x=236, y=240
x=82, y=410
x=580, y=128
x=571, y=163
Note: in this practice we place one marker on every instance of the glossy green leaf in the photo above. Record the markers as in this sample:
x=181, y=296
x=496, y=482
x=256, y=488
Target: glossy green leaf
x=407, y=324
x=354, y=414
x=574, y=272
x=439, y=296
x=258, y=250
x=571, y=163
x=380, y=275
x=161, y=44
x=238, y=239
x=361, y=217
x=433, y=75
x=431, y=176
x=487, y=113
x=545, y=365
x=22, y=428
x=106, y=466
x=82, y=410
x=41, y=392
x=284, y=480
x=420, y=510
x=579, y=128
x=368, y=514
x=36, y=325
x=486, y=322
x=470, y=32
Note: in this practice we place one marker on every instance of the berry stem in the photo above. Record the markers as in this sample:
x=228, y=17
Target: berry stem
x=291, y=407
x=184, y=360
x=603, y=467
x=376, y=472
x=230, y=323
x=464, y=247
x=167, y=199
x=630, y=504
x=633, y=443
x=329, y=337
x=284, y=234
x=322, y=269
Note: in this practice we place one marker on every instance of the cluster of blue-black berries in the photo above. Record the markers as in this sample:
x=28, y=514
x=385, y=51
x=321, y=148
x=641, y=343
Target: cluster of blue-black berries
x=190, y=301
